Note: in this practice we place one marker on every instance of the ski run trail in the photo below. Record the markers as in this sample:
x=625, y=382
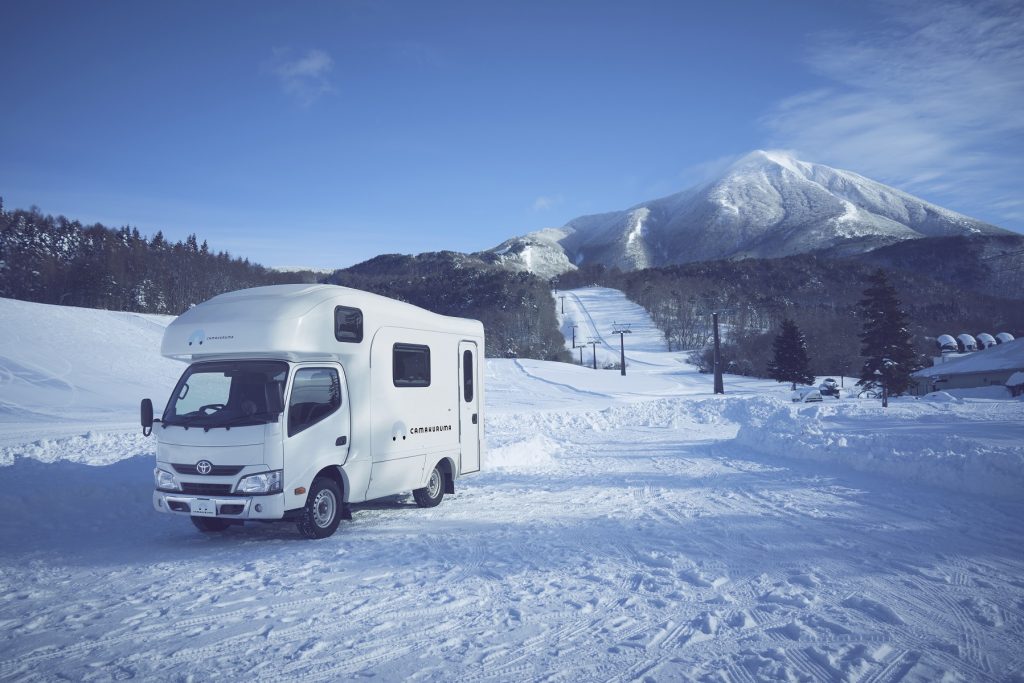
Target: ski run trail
x=631, y=528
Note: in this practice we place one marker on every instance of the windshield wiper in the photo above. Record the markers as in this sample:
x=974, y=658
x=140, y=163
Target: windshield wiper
x=181, y=422
x=240, y=419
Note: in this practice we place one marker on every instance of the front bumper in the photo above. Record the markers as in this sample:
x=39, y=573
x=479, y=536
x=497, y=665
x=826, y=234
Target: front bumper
x=228, y=507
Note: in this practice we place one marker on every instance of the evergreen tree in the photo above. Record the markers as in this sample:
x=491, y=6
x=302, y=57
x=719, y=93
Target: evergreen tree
x=886, y=344
x=789, y=362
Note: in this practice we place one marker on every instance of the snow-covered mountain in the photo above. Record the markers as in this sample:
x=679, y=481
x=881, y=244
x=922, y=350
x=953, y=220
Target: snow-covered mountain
x=767, y=204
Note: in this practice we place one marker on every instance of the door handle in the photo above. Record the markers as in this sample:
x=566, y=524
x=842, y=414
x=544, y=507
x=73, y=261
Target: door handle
x=474, y=418
x=342, y=440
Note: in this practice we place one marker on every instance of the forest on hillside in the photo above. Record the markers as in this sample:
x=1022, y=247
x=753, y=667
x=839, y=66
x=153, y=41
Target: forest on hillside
x=56, y=260
x=820, y=294
x=517, y=309
x=945, y=287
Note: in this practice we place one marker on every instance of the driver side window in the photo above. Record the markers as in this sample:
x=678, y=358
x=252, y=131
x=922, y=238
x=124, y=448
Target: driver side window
x=316, y=394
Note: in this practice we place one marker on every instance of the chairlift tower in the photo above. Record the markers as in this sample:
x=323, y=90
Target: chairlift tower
x=719, y=383
x=593, y=343
x=621, y=329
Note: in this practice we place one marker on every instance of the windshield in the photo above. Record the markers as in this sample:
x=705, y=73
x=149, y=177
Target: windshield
x=226, y=394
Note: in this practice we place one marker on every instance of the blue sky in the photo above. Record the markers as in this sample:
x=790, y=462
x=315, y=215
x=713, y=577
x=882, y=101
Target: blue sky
x=324, y=133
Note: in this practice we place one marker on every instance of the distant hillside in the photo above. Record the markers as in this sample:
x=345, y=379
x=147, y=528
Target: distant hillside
x=989, y=264
x=819, y=293
x=517, y=309
x=57, y=260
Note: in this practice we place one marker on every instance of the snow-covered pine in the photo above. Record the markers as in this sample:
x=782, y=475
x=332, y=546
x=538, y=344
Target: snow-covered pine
x=789, y=361
x=886, y=343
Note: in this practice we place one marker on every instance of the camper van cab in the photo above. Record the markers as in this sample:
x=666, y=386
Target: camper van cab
x=301, y=399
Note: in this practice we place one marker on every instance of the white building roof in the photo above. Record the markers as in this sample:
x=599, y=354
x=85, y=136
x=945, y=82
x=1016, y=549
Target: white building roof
x=1008, y=356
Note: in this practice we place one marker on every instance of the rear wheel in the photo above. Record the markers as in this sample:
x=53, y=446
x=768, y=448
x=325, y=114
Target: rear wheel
x=210, y=524
x=433, y=492
x=322, y=513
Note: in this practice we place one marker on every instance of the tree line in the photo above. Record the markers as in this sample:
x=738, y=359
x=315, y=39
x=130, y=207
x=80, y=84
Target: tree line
x=56, y=260
x=517, y=309
x=819, y=294
x=885, y=344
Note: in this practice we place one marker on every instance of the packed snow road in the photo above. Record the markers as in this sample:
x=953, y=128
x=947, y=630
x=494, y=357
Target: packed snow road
x=610, y=537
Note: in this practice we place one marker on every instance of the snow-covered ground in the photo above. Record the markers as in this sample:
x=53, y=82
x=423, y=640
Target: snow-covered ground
x=624, y=528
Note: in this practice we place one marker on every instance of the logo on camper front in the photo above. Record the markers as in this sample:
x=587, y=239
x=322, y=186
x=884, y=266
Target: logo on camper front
x=197, y=338
x=204, y=467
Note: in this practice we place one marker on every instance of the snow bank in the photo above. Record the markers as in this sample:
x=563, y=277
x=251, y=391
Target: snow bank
x=998, y=393
x=529, y=455
x=958, y=446
x=91, y=448
x=967, y=446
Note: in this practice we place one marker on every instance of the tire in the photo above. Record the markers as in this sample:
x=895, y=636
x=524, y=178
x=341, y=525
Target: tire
x=210, y=524
x=431, y=494
x=323, y=510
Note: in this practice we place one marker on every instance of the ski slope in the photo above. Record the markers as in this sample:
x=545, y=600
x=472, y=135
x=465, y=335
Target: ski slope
x=624, y=528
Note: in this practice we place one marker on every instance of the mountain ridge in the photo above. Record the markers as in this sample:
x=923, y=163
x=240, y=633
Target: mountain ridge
x=767, y=204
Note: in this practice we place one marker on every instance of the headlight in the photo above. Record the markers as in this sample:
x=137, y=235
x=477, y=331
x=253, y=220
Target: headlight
x=265, y=482
x=165, y=480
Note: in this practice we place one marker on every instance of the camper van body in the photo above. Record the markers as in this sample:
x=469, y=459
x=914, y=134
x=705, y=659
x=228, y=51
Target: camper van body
x=377, y=394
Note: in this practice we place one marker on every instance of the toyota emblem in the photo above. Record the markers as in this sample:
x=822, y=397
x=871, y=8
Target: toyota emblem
x=204, y=467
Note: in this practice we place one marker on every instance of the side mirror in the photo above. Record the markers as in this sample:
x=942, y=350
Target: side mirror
x=275, y=398
x=147, y=416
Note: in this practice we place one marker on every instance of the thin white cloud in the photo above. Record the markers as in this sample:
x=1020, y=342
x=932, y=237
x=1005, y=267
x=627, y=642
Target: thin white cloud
x=930, y=102
x=305, y=77
x=543, y=203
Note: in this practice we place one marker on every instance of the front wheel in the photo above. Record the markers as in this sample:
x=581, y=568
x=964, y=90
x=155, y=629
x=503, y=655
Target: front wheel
x=322, y=513
x=210, y=524
x=433, y=492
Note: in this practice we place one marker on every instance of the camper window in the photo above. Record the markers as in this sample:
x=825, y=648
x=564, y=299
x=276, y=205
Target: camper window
x=316, y=393
x=411, y=365
x=348, y=324
x=467, y=376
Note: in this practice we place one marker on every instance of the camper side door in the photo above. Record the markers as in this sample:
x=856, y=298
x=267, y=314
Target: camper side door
x=469, y=407
x=317, y=425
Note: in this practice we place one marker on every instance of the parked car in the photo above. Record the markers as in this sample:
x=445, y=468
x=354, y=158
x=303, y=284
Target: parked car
x=806, y=395
x=829, y=387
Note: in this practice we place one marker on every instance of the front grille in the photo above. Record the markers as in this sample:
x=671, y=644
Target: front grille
x=231, y=509
x=206, y=489
x=217, y=471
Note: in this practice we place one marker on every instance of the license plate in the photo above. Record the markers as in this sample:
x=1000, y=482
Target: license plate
x=204, y=507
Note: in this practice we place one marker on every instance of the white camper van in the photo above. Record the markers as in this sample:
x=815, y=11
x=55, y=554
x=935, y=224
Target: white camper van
x=301, y=399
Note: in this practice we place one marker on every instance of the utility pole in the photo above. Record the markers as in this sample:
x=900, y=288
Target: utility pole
x=593, y=344
x=882, y=375
x=574, y=336
x=562, y=299
x=621, y=330
x=581, y=347
x=719, y=384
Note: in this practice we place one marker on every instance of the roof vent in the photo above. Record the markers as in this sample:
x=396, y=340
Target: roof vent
x=966, y=343
x=986, y=340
